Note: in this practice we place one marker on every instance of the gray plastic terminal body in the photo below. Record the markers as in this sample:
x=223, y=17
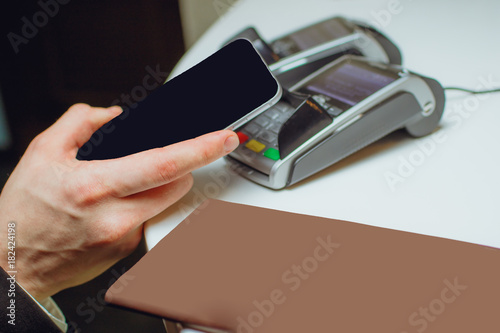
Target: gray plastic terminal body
x=412, y=102
x=373, y=125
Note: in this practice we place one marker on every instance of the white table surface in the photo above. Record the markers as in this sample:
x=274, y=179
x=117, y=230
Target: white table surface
x=453, y=191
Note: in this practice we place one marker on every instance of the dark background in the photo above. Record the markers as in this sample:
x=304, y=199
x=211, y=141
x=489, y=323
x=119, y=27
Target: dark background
x=90, y=51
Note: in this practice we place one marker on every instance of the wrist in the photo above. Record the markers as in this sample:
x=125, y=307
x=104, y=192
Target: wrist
x=11, y=261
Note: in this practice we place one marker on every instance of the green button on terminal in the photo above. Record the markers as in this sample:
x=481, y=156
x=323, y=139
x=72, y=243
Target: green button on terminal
x=272, y=153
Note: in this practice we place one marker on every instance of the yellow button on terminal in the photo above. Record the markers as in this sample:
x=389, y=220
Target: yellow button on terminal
x=255, y=145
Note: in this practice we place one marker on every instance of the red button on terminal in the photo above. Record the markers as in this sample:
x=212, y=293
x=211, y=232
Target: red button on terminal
x=243, y=137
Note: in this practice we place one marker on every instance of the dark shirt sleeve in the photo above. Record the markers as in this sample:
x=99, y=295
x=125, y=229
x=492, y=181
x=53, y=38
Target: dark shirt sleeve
x=18, y=308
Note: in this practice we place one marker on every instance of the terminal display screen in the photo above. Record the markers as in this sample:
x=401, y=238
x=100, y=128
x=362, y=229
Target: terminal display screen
x=349, y=83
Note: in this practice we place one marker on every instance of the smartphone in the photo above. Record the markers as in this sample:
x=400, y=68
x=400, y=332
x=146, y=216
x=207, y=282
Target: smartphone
x=331, y=114
x=224, y=91
x=301, y=52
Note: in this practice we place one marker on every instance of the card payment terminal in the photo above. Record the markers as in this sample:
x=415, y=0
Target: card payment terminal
x=332, y=113
x=304, y=51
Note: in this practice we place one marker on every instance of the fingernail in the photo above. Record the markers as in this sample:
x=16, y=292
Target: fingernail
x=231, y=143
x=115, y=109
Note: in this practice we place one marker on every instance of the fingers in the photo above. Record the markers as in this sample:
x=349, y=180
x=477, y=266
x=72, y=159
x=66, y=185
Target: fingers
x=140, y=207
x=157, y=167
x=76, y=126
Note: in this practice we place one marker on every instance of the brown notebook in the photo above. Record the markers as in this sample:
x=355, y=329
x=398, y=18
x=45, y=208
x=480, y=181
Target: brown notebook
x=250, y=270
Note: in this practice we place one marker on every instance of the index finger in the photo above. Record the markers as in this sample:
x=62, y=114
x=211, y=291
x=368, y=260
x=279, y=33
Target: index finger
x=156, y=167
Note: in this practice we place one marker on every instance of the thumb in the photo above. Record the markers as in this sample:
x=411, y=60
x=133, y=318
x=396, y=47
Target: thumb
x=76, y=126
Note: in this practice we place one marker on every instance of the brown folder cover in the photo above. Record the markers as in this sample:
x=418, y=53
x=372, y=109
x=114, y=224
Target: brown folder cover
x=246, y=269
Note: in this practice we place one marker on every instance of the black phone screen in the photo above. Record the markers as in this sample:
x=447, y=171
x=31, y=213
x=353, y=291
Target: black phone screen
x=215, y=93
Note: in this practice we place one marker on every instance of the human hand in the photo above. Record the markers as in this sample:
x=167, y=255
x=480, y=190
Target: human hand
x=73, y=225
